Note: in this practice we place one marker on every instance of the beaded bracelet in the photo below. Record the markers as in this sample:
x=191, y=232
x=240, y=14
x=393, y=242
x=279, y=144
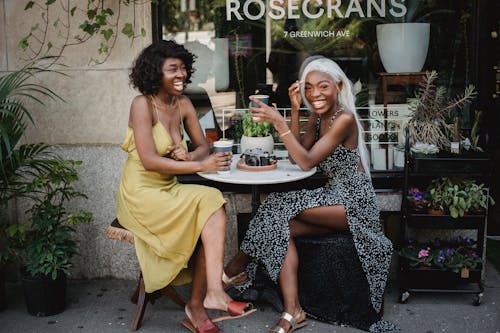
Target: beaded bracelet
x=285, y=134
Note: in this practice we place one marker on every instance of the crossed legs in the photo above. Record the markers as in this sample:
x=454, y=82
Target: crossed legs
x=313, y=221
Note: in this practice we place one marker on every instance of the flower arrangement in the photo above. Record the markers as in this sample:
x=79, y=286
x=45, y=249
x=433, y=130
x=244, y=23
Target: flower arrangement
x=453, y=255
x=416, y=199
x=456, y=197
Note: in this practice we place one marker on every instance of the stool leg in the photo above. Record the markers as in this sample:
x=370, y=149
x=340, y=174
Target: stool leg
x=170, y=292
x=135, y=295
x=142, y=301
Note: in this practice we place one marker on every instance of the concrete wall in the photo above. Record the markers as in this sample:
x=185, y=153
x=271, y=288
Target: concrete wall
x=89, y=126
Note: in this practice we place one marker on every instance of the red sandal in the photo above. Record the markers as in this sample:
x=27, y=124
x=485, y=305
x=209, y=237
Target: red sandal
x=236, y=310
x=206, y=326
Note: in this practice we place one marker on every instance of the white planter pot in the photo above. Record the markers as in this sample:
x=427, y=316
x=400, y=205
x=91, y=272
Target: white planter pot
x=403, y=46
x=379, y=161
x=399, y=157
x=266, y=143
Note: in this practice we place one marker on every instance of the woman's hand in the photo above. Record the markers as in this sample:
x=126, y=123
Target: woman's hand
x=265, y=113
x=178, y=153
x=294, y=94
x=217, y=161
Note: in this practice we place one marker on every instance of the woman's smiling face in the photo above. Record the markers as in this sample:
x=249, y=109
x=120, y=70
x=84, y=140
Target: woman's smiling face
x=174, y=76
x=321, y=91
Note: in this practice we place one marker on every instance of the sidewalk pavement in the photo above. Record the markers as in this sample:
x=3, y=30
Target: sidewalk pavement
x=103, y=306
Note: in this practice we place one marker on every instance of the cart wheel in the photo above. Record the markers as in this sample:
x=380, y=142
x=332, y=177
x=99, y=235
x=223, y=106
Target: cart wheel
x=477, y=299
x=403, y=297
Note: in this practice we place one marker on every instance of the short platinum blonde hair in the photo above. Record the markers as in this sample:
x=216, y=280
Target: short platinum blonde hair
x=345, y=96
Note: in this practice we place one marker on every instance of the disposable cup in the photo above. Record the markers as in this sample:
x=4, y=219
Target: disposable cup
x=263, y=99
x=223, y=146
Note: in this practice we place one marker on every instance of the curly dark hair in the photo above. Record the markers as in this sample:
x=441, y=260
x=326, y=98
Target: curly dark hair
x=146, y=75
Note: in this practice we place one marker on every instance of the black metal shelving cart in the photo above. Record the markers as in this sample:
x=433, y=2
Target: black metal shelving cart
x=420, y=171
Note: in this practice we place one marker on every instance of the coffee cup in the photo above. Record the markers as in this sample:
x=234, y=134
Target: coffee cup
x=223, y=146
x=263, y=98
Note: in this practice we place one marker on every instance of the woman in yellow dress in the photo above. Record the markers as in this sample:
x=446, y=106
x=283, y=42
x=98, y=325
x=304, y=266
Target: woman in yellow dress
x=172, y=222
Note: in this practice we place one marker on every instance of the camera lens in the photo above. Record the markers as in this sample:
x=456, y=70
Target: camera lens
x=252, y=160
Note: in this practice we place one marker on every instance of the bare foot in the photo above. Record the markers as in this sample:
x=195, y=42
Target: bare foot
x=216, y=301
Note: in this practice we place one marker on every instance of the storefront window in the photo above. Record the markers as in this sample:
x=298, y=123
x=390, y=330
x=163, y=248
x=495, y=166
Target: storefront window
x=249, y=46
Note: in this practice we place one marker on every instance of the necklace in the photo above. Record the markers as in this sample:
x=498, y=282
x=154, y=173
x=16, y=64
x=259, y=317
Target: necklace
x=330, y=122
x=164, y=104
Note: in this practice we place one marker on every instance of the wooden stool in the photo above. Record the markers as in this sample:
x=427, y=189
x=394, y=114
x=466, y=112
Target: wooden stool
x=332, y=283
x=140, y=296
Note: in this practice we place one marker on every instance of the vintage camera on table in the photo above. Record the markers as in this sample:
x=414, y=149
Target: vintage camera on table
x=257, y=157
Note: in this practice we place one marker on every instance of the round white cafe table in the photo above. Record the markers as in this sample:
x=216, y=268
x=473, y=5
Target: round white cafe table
x=285, y=172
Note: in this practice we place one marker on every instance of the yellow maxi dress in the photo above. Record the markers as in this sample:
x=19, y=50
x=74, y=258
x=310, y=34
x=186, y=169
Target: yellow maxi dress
x=165, y=216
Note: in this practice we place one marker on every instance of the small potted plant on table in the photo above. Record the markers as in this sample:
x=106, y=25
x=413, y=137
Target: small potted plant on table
x=256, y=135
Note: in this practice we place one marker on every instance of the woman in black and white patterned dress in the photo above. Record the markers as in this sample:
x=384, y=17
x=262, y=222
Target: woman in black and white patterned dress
x=333, y=142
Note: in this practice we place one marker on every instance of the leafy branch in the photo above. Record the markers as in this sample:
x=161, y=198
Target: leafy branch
x=64, y=24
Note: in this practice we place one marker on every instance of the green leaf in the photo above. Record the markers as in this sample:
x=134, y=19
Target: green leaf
x=50, y=2
x=91, y=13
x=72, y=11
x=143, y=32
x=107, y=34
x=29, y=5
x=49, y=45
x=127, y=30
x=23, y=43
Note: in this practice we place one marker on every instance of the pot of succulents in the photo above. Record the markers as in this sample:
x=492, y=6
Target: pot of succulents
x=403, y=35
x=424, y=150
x=44, y=244
x=431, y=111
x=256, y=135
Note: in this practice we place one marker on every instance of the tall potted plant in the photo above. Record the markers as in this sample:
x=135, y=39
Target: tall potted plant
x=44, y=244
x=431, y=112
x=17, y=162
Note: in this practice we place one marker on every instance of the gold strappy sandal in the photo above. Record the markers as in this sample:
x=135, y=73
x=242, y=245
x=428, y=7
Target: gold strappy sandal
x=236, y=280
x=296, y=322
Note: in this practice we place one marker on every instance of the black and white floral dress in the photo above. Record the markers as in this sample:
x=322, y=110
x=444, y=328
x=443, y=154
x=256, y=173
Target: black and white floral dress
x=267, y=237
